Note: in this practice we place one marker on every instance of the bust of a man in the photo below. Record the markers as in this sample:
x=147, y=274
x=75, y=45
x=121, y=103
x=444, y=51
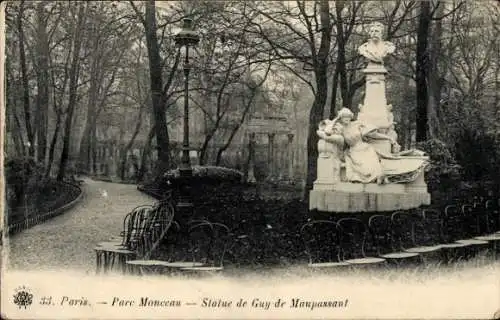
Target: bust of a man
x=375, y=49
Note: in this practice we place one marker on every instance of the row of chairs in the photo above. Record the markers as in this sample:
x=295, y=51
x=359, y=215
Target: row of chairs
x=143, y=230
x=146, y=228
x=207, y=243
x=458, y=231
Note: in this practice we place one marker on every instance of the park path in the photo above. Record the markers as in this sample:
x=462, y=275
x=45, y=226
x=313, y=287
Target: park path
x=66, y=242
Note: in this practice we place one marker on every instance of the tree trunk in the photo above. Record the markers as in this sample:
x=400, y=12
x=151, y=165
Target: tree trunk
x=130, y=143
x=422, y=69
x=42, y=56
x=233, y=132
x=204, y=146
x=155, y=71
x=25, y=82
x=317, y=108
x=145, y=154
x=73, y=86
x=86, y=141
x=335, y=84
x=12, y=122
x=53, y=144
x=341, y=60
x=435, y=79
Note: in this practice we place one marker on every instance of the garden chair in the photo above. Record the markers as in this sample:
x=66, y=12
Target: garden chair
x=129, y=223
x=432, y=225
x=107, y=253
x=456, y=229
x=473, y=216
x=208, y=245
x=381, y=231
x=244, y=249
x=138, y=229
x=490, y=221
x=322, y=243
x=153, y=231
x=354, y=243
x=106, y=257
x=153, y=265
x=404, y=226
x=171, y=263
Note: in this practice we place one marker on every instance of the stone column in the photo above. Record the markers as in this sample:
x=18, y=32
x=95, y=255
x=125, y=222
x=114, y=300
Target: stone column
x=290, y=156
x=105, y=162
x=251, y=155
x=100, y=164
x=328, y=166
x=194, y=157
x=374, y=109
x=270, y=155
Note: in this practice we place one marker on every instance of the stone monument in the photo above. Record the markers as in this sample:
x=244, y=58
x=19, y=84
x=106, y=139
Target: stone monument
x=361, y=167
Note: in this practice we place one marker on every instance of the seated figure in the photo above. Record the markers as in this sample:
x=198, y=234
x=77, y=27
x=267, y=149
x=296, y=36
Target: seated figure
x=363, y=163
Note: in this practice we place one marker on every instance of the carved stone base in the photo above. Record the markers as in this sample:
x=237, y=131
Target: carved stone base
x=358, y=197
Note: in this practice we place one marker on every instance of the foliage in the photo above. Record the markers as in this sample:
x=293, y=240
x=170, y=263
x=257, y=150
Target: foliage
x=29, y=192
x=204, y=179
x=218, y=174
x=443, y=171
x=478, y=154
x=266, y=230
x=61, y=99
x=24, y=177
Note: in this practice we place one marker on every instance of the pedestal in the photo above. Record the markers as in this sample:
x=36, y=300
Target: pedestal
x=356, y=197
x=328, y=165
x=185, y=206
x=370, y=197
x=374, y=107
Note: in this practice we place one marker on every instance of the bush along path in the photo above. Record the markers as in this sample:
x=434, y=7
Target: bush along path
x=66, y=242
x=63, y=196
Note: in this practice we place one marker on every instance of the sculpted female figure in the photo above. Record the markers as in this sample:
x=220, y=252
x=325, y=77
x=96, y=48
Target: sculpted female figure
x=363, y=162
x=375, y=49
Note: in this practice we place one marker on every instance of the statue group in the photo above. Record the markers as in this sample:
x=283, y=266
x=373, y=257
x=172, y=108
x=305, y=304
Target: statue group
x=363, y=149
x=348, y=144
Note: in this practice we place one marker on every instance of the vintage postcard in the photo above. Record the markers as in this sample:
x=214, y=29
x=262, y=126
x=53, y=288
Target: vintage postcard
x=250, y=159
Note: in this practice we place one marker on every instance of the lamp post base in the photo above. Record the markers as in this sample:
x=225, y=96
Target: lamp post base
x=185, y=204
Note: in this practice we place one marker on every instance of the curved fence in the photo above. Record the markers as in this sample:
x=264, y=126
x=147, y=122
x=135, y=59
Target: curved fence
x=70, y=193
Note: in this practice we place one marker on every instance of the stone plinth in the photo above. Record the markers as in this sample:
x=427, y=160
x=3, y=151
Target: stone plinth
x=374, y=107
x=371, y=197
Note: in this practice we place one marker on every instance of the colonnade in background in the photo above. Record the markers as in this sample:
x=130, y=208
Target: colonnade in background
x=280, y=163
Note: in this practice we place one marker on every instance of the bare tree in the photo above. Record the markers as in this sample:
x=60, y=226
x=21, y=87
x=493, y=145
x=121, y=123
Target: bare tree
x=42, y=75
x=25, y=81
x=250, y=91
x=159, y=93
x=74, y=72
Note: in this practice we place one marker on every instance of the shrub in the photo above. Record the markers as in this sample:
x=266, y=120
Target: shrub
x=477, y=153
x=24, y=179
x=208, y=173
x=443, y=172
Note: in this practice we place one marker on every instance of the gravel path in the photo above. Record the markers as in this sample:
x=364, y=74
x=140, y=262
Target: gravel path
x=67, y=241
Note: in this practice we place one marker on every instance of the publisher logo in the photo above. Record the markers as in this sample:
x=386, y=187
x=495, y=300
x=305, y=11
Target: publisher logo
x=23, y=297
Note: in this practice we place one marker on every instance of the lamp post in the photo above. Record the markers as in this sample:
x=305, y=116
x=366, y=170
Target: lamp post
x=185, y=38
